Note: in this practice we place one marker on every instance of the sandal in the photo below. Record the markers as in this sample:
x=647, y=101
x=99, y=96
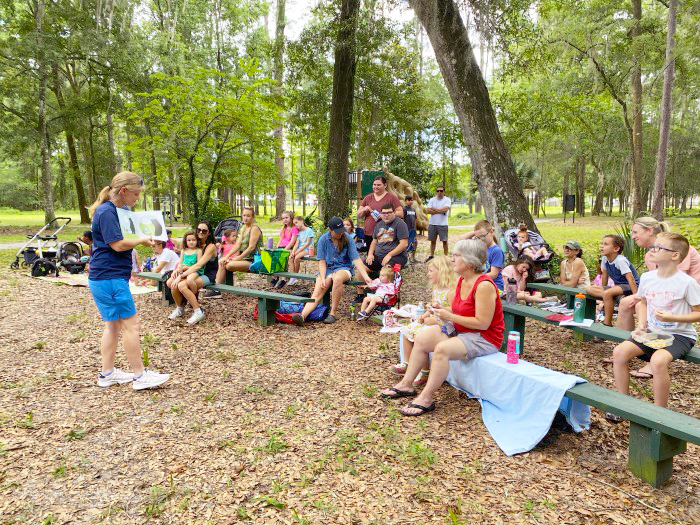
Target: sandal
x=613, y=418
x=423, y=410
x=399, y=393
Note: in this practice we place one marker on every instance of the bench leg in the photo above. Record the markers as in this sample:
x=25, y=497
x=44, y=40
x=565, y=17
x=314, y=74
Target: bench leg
x=326, y=301
x=513, y=323
x=651, y=454
x=229, y=278
x=266, y=311
x=165, y=301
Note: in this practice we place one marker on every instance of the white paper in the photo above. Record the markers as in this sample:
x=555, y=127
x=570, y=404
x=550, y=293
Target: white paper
x=585, y=322
x=142, y=224
x=387, y=330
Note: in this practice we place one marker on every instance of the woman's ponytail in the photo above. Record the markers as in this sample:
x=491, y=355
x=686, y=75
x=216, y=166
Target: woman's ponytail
x=101, y=198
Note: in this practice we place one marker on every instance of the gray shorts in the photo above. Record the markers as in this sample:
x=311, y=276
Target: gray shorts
x=434, y=231
x=475, y=344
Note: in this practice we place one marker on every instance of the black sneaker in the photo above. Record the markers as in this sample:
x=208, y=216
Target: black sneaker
x=330, y=319
x=212, y=294
x=281, y=284
x=298, y=319
x=274, y=280
x=430, y=257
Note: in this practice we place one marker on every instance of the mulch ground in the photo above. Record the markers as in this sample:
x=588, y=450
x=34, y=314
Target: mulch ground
x=284, y=425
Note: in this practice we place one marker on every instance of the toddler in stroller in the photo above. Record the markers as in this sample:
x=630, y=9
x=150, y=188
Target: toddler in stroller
x=386, y=292
x=521, y=241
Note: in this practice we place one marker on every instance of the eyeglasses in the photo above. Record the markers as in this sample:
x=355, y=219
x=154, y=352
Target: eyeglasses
x=387, y=212
x=657, y=248
x=199, y=230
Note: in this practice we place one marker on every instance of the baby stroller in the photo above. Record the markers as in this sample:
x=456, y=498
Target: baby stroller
x=46, y=256
x=232, y=223
x=541, y=271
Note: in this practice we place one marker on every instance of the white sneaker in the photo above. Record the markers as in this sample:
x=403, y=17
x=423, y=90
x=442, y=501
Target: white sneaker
x=292, y=281
x=149, y=379
x=197, y=316
x=116, y=377
x=177, y=313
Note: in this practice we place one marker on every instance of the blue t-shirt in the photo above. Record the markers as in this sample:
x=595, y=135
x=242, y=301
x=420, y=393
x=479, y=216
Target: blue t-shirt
x=105, y=262
x=304, y=236
x=334, y=259
x=495, y=257
x=618, y=268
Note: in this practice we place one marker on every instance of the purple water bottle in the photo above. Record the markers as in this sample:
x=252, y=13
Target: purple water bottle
x=270, y=243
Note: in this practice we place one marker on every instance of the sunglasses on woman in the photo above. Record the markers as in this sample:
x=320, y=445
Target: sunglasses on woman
x=199, y=230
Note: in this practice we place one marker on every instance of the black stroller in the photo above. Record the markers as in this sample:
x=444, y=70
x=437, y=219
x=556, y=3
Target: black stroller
x=541, y=271
x=231, y=223
x=45, y=255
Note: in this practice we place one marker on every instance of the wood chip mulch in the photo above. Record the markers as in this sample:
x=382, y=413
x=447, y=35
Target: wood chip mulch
x=285, y=425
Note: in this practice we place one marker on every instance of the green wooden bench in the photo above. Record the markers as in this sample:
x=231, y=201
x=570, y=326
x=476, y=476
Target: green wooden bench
x=158, y=278
x=515, y=314
x=656, y=433
x=268, y=302
x=570, y=293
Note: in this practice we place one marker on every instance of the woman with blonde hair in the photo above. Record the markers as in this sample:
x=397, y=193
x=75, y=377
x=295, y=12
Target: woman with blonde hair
x=110, y=270
x=643, y=233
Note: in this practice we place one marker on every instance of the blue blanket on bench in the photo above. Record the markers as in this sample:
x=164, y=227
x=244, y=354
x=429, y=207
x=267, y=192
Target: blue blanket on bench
x=518, y=402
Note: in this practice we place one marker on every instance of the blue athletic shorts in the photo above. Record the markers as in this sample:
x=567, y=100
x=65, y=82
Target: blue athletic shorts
x=113, y=299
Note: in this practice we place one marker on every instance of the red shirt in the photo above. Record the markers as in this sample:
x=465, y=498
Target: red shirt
x=377, y=205
x=467, y=308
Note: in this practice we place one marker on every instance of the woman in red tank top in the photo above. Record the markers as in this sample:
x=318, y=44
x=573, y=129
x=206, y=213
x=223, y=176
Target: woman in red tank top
x=477, y=315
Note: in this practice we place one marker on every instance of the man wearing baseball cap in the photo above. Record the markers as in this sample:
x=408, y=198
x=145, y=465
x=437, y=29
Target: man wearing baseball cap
x=337, y=256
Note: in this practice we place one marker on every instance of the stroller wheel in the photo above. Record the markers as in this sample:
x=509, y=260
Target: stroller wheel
x=14, y=265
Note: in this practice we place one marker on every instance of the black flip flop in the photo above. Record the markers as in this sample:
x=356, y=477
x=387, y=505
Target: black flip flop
x=399, y=393
x=423, y=410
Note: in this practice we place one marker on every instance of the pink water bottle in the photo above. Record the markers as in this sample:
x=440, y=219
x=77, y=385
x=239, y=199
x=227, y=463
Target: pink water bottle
x=513, y=347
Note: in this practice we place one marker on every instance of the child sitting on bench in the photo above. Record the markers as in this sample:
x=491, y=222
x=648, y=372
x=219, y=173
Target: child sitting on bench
x=520, y=270
x=670, y=303
x=617, y=267
x=383, y=289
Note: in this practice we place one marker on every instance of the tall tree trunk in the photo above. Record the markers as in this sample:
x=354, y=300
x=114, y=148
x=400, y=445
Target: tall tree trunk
x=581, y=186
x=335, y=190
x=39, y=7
x=74, y=166
x=113, y=161
x=662, y=153
x=499, y=186
x=280, y=194
x=599, y=196
x=154, y=168
x=637, y=142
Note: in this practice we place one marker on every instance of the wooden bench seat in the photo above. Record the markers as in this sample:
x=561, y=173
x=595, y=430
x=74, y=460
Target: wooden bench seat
x=268, y=302
x=656, y=433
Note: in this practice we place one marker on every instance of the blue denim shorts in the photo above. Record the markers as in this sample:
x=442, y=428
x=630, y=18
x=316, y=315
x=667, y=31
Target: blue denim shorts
x=113, y=299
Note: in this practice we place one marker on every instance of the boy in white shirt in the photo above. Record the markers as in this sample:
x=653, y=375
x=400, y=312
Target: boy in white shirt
x=670, y=302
